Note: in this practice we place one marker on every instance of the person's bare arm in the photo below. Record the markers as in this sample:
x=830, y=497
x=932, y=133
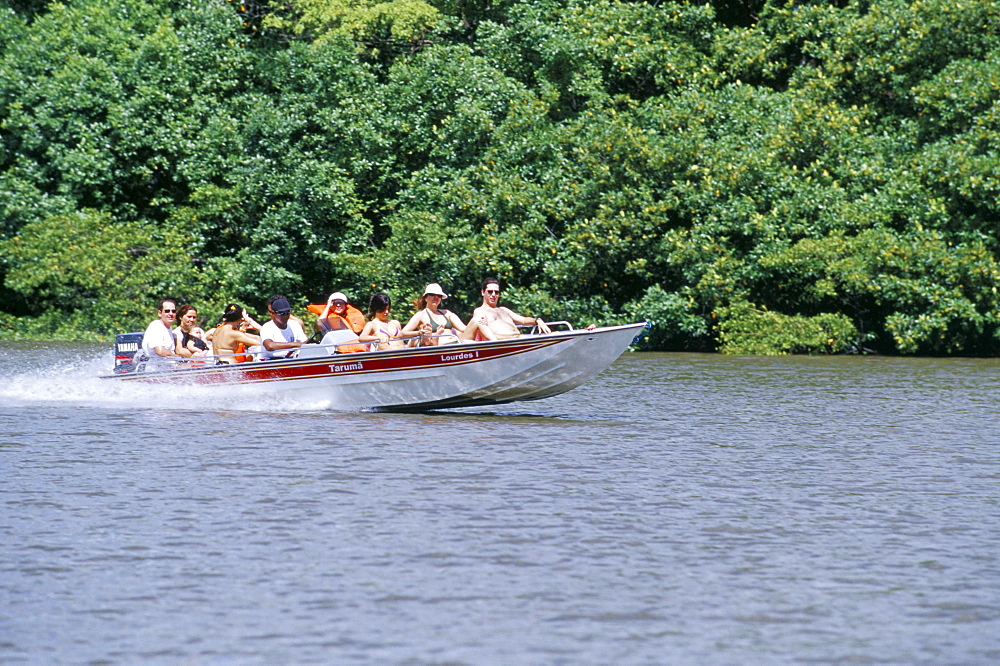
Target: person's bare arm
x=528, y=321
x=368, y=333
x=455, y=321
x=415, y=324
x=247, y=339
x=181, y=350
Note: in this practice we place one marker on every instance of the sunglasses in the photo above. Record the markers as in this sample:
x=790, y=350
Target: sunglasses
x=492, y=291
x=168, y=311
x=282, y=313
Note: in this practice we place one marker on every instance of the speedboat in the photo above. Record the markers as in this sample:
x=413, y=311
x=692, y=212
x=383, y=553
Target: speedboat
x=530, y=367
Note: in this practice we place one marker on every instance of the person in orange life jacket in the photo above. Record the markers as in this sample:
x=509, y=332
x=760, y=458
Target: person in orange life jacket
x=159, y=338
x=339, y=314
x=281, y=335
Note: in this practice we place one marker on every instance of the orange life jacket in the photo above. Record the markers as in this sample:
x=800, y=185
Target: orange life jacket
x=354, y=320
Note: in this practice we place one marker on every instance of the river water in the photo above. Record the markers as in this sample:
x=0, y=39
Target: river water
x=681, y=509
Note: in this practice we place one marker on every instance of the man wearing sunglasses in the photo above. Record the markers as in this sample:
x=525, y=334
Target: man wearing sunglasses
x=282, y=334
x=159, y=338
x=502, y=321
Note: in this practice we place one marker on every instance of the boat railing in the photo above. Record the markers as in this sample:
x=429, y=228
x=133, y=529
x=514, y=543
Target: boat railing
x=328, y=348
x=140, y=362
x=533, y=328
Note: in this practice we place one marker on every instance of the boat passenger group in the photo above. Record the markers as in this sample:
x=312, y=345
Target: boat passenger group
x=341, y=323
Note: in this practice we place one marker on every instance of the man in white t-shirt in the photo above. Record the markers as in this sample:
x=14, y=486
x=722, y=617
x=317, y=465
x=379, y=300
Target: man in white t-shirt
x=159, y=339
x=281, y=335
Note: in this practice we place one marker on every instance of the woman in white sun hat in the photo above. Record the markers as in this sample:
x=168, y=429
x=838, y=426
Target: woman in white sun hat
x=438, y=326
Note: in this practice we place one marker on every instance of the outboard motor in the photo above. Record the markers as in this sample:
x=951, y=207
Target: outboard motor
x=127, y=352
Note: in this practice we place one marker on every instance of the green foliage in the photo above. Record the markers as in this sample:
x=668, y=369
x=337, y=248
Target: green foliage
x=84, y=272
x=374, y=25
x=677, y=323
x=750, y=331
x=940, y=298
x=583, y=52
x=960, y=97
x=105, y=103
x=860, y=52
x=754, y=176
x=443, y=107
x=423, y=248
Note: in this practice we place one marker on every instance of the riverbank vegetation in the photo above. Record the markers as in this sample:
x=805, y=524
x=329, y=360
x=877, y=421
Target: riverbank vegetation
x=753, y=176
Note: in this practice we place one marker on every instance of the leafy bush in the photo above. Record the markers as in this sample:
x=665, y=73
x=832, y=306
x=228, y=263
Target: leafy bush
x=83, y=272
x=751, y=331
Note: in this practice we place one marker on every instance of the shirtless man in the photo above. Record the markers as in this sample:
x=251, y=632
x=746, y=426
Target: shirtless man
x=228, y=336
x=502, y=321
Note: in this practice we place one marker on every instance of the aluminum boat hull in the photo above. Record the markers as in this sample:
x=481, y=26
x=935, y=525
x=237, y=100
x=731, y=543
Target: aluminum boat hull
x=422, y=378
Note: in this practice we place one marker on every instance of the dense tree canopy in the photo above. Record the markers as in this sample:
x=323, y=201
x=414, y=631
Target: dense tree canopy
x=752, y=176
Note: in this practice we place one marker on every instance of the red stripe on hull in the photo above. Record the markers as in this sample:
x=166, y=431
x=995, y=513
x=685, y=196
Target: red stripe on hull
x=341, y=365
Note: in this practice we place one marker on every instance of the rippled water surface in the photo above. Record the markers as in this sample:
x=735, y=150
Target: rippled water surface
x=679, y=509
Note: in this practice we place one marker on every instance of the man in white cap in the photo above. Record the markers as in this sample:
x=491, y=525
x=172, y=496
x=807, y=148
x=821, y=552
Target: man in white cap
x=280, y=336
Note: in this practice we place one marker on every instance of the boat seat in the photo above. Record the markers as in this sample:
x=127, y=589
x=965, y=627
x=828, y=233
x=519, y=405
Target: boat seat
x=312, y=351
x=338, y=337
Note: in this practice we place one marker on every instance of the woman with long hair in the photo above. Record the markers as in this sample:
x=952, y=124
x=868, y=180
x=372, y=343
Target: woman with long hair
x=385, y=333
x=438, y=326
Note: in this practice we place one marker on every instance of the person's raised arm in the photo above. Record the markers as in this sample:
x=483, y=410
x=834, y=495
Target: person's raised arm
x=249, y=321
x=329, y=305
